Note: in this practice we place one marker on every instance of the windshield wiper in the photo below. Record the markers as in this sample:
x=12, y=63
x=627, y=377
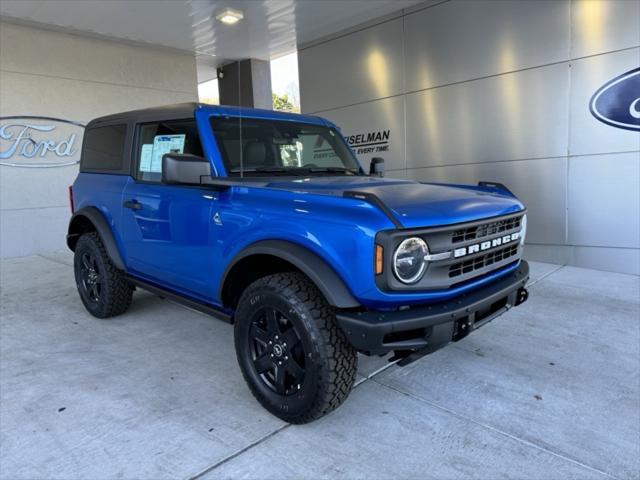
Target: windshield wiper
x=349, y=171
x=273, y=170
x=296, y=171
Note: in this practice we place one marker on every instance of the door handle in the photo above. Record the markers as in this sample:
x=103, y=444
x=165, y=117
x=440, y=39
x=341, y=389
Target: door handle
x=132, y=204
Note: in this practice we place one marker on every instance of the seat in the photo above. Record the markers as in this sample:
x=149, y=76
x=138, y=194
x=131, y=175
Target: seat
x=254, y=154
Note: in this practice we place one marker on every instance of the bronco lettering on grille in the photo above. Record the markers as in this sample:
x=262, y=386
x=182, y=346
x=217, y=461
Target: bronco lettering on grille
x=480, y=247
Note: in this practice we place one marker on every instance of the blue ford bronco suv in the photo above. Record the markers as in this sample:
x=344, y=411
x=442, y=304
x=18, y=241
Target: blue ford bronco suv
x=266, y=220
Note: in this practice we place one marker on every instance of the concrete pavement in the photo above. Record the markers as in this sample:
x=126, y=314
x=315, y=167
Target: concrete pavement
x=549, y=390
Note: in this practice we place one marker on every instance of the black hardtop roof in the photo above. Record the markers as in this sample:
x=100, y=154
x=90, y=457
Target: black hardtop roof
x=165, y=112
x=181, y=111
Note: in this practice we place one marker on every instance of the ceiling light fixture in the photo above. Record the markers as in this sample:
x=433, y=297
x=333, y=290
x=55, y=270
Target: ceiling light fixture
x=229, y=16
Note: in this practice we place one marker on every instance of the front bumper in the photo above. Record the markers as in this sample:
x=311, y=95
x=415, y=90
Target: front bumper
x=428, y=328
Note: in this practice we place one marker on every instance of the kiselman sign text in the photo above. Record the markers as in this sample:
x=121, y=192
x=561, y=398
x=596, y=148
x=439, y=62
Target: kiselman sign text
x=371, y=142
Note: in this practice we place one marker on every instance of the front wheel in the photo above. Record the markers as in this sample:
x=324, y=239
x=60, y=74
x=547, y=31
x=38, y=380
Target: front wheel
x=293, y=355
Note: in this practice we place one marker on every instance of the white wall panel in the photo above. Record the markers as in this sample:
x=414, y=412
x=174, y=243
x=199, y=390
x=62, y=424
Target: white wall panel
x=57, y=54
x=468, y=119
x=26, y=94
x=462, y=40
x=363, y=66
x=379, y=116
x=598, y=185
x=587, y=134
x=22, y=188
x=514, y=116
x=399, y=174
x=29, y=231
x=624, y=260
x=558, y=254
x=540, y=184
x=600, y=26
x=45, y=73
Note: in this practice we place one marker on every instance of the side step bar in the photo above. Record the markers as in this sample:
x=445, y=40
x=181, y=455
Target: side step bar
x=182, y=300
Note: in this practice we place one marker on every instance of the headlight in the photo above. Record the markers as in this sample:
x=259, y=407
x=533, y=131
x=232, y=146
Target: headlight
x=523, y=229
x=409, y=263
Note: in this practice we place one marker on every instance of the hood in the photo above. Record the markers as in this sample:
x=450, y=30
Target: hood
x=415, y=204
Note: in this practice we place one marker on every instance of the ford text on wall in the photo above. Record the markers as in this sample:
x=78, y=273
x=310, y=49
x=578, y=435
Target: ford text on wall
x=52, y=83
x=39, y=142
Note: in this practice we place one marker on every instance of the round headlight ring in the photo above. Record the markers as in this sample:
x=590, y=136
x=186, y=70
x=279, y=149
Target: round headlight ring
x=413, y=248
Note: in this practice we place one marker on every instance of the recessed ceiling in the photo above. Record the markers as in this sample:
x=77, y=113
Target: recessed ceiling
x=269, y=29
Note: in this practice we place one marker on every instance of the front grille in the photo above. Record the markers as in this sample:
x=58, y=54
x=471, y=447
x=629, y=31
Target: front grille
x=465, y=252
x=482, y=261
x=485, y=230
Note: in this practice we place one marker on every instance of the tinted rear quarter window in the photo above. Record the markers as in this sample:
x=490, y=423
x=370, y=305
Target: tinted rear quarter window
x=103, y=148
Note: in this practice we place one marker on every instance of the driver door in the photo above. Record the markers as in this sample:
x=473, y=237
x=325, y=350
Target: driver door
x=167, y=228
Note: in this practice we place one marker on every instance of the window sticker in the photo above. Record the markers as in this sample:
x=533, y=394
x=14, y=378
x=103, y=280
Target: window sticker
x=165, y=144
x=145, y=157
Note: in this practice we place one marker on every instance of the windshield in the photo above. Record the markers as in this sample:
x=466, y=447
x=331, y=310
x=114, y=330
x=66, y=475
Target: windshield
x=274, y=147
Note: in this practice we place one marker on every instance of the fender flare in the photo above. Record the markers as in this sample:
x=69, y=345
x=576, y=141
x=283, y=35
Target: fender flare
x=104, y=230
x=319, y=272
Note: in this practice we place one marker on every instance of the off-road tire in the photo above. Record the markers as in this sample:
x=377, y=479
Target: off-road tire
x=330, y=361
x=115, y=293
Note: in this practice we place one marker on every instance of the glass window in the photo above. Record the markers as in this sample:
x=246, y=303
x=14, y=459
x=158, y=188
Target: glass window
x=103, y=148
x=275, y=147
x=156, y=139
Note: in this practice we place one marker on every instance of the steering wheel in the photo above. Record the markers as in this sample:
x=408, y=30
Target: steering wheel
x=310, y=165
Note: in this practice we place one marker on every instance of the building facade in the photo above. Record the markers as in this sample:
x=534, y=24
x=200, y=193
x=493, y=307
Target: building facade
x=52, y=83
x=463, y=91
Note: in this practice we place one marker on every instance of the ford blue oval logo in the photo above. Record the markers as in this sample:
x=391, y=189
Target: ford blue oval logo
x=617, y=102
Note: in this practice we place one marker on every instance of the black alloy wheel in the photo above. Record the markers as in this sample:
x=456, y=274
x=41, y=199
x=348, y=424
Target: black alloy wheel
x=90, y=277
x=277, y=351
x=104, y=290
x=293, y=355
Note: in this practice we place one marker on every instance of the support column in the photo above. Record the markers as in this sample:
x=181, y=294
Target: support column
x=246, y=83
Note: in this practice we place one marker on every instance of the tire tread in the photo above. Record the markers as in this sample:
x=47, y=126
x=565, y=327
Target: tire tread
x=119, y=291
x=335, y=351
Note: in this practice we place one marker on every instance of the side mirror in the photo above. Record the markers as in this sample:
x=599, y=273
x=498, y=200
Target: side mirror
x=376, y=167
x=184, y=168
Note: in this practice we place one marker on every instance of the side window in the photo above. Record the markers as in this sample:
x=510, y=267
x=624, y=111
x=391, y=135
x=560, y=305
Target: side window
x=103, y=148
x=156, y=139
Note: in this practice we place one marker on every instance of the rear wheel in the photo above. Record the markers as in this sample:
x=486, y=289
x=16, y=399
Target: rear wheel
x=294, y=357
x=104, y=290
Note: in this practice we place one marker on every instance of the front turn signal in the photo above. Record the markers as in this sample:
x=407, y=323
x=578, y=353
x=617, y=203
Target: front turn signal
x=379, y=252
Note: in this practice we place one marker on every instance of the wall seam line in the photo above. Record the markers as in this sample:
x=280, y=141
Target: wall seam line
x=59, y=77
x=571, y=245
x=569, y=118
x=528, y=159
x=461, y=82
x=44, y=207
x=95, y=36
x=404, y=97
x=353, y=30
